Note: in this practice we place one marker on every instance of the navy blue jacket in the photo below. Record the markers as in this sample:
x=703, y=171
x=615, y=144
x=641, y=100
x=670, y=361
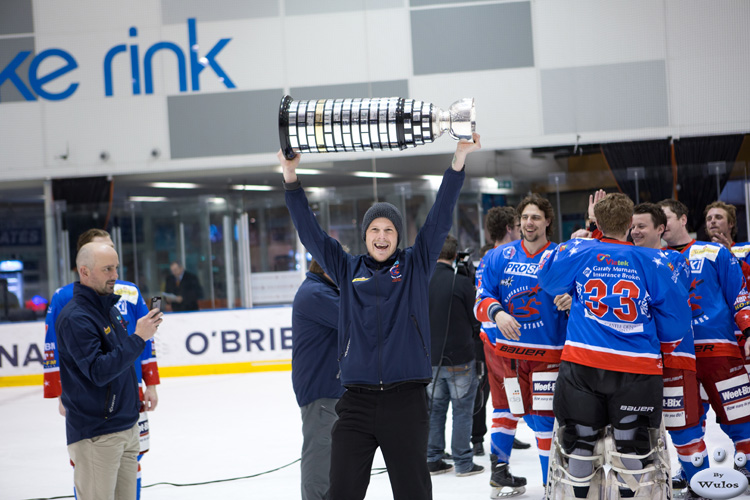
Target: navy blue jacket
x=97, y=373
x=384, y=328
x=315, y=316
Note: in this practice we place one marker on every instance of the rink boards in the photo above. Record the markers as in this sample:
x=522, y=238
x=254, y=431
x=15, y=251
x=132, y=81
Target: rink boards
x=197, y=343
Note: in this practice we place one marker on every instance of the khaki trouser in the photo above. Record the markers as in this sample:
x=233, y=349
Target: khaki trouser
x=106, y=467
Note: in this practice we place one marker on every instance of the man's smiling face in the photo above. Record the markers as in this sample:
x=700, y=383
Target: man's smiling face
x=381, y=239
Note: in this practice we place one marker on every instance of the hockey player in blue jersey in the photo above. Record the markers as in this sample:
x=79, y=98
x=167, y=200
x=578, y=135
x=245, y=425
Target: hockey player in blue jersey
x=530, y=329
x=683, y=413
x=626, y=311
x=720, y=303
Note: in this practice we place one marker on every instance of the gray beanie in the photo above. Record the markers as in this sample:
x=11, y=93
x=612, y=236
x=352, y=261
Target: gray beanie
x=386, y=210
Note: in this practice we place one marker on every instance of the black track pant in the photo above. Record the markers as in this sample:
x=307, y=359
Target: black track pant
x=396, y=420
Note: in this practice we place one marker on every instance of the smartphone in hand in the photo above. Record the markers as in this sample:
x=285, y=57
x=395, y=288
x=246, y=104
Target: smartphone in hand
x=155, y=302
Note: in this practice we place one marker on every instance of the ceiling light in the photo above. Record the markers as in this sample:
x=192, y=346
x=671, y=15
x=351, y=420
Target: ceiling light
x=378, y=175
x=303, y=171
x=434, y=180
x=174, y=185
x=148, y=198
x=251, y=187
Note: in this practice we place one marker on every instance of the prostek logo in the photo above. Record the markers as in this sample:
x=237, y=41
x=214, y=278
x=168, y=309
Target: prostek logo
x=521, y=269
x=719, y=482
x=65, y=63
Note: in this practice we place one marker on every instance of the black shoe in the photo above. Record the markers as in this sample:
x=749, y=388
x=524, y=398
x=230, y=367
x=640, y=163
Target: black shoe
x=520, y=445
x=501, y=475
x=447, y=456
x=438, y=467
x=475, y=469
x=478, y=450
x=679, y=480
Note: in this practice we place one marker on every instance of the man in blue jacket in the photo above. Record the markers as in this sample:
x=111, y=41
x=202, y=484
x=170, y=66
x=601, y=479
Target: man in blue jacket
x=315, y=375
x=100, y=387
x=384, y=343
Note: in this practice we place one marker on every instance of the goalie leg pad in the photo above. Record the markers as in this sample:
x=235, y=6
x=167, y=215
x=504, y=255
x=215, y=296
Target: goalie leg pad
x=640, y=465
x=575, y=464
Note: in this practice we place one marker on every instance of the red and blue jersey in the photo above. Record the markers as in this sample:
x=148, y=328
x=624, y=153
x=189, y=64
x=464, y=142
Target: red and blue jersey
x=131, y=306
x=683, y=357
x=718, y=298
x=508, y=277
x=626, y=308
x=742, y=252
x=488, y=331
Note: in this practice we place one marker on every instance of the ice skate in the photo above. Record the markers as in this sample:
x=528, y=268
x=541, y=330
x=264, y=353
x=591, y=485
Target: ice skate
x=504, y=484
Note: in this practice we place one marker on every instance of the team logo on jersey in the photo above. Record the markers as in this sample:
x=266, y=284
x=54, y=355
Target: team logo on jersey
x=122, y=306
x=523, y=305
x=509, y=252
x=107, y=330
x=587, y=272
x=522, y=269
x=395, y=272
x=507, y=281
x=696, y=266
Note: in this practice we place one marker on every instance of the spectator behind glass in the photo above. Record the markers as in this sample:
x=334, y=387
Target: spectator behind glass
x=182, y=289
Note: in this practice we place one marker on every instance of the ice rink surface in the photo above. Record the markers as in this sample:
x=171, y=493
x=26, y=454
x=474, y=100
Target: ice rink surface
x=214, y=428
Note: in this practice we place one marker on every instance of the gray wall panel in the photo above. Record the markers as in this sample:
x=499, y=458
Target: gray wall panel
x=394, y=88
x=422, y=3
x=9, y=49
x=176, y=11
x=16, y=16
x=228, y=123
x=303, y=7
x=607, y=97
x=472, y=38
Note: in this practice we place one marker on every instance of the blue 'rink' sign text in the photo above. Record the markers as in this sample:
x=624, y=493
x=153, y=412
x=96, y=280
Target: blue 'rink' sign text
x=189, y=63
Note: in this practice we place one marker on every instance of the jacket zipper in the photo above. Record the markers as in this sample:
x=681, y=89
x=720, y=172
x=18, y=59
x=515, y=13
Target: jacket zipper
x=380, y=347
x=421, y=338
x=106, y=401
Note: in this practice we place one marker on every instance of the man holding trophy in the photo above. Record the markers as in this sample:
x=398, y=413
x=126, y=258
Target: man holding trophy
x=384, y=347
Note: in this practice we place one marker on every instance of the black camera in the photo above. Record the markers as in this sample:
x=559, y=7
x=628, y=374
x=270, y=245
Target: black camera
x=464, y=264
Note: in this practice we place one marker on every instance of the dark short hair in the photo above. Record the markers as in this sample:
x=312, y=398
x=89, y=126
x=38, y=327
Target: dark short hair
x=677, y=207
x=89, y=235
x=450, y=248
x=498, y=220
x=544, y=205
x=654, y=210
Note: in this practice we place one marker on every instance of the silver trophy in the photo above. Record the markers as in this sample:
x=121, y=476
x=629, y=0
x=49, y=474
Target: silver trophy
x=333, y=125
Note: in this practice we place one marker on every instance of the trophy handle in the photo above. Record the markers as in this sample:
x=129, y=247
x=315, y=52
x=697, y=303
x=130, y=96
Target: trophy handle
x=286, y=148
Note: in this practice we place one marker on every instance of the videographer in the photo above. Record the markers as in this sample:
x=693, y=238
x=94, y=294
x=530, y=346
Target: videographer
x=454, y=379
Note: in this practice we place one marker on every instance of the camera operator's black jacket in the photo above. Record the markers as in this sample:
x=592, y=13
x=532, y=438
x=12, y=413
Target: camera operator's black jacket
x=459, y=347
